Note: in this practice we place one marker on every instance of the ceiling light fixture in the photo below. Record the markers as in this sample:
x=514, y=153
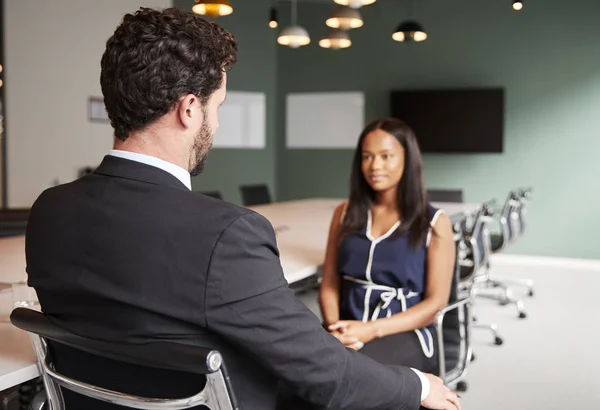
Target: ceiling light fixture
x=345, y=18
x=294, y=36
x=409, y=31
x=273, y=18
x=336, y=39
x=355, y=4
x=212, y=8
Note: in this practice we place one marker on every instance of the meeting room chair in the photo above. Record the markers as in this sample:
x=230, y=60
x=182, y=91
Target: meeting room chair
x=453, y=327
x=475, y=264
x=255, y=194
x=13, y=222
x=213, y=194
x=513, y=222
x=192, y=361
x=445, y=195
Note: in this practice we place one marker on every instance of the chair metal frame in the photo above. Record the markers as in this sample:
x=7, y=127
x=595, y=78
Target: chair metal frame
x=512, y=224
x=476, y=260
x=518, y=200
x=216, y=394
x=456, y=375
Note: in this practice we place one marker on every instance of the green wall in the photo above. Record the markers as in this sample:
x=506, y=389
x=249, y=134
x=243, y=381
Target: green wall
x=255, y=70
x=547, y=58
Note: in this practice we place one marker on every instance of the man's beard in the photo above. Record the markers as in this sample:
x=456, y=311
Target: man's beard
x=200, y=149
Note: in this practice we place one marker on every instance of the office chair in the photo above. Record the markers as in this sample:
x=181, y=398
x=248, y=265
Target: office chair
x=453, y=328
x=445, y=195
x=213, y=194
x=13, y=222
x=194, y=361
x=255, y=194
x=475, y=264
x=513, y=228
x=512, y=224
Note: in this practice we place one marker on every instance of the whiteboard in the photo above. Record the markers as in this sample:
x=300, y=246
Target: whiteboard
x=242, y=121
x=324, y=120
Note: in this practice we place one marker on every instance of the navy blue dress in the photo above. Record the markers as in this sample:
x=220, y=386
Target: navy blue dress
x=384, y=276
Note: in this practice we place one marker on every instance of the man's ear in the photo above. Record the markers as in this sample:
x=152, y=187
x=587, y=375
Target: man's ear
x=188, y=110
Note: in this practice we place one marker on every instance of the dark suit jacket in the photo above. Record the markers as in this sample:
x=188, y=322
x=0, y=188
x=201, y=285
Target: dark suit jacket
x=129, y=254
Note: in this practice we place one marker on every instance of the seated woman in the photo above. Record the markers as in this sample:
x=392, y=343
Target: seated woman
x=390, y=255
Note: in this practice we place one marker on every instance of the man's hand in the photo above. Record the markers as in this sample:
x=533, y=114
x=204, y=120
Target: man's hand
x=440, y=397
x=353, y=333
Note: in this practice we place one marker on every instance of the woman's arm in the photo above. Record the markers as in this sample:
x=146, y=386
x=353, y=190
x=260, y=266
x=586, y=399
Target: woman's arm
x=440, y=268
x=329, y=294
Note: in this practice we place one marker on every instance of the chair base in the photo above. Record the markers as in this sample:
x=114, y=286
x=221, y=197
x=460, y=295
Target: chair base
x=504, y=298
x=527, y=283
x=492, y=327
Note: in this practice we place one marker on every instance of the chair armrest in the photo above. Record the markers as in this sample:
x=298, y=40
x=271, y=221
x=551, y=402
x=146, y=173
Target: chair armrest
x=438, y=322
x=162, y=354
x=439, y=317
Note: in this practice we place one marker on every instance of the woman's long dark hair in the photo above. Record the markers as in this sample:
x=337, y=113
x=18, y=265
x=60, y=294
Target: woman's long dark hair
x=412, y=197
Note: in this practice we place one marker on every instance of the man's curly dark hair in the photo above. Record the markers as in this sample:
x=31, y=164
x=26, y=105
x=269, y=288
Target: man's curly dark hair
x=153, y=58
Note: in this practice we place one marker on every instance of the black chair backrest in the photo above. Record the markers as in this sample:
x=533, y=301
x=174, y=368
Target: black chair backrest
x=523, y=196
x=510, y=228
x=445, y=195
x=213, y=194
x=162, y=355
x=158, y=363
x=14, y=214
x=478, y=240
x=458, y=239
x=13, y=222
x=255, y=194
x=451, y=323
x=481, y=235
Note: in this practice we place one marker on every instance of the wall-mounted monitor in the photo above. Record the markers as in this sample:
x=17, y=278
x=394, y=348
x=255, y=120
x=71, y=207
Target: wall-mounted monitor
x=453, y=121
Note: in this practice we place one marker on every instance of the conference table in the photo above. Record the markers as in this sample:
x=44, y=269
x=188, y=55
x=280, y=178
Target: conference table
x=12, y=259
x=301, y=228
x=17, y=360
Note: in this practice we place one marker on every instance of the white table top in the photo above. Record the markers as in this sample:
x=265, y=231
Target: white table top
x=12, y=259
x=302, y=238
x=302, y=228
x=17, y=360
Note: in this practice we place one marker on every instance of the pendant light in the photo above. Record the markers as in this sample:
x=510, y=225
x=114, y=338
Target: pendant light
x=336, y=39
x=355, y=4
x=517, y=5
x=294, y=36
x=273, y=23
x=212, y=8
x=409, y=30
x=345, y=18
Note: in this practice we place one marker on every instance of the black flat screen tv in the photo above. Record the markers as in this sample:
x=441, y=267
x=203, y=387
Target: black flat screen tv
x=453, y=121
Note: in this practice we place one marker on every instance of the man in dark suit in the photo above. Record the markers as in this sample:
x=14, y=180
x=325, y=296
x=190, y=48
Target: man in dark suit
x=129, y=254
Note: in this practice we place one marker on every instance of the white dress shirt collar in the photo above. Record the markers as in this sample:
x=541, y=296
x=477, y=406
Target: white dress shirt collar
x=175, y=170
